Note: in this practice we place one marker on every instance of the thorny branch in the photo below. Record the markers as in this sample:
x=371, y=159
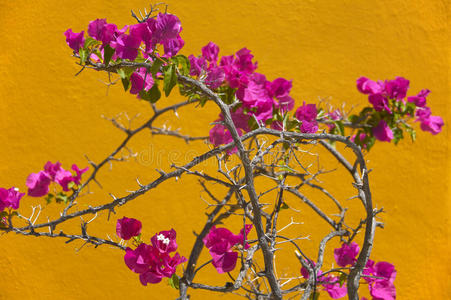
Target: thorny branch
x=256, y=160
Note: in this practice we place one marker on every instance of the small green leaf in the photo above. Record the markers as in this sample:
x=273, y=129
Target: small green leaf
x=155, y=68
x=366, y=110
x=284, y=206
x=340, y=127
x=61, y=197
x=125, y=83
x=183, y=61
x=49, y=198
x=353, y=118
x=125, y=74
x=153, y=95
x=83, y=55
x=397, y=135
x=107, y=54
x=174, y=281
x=170, y=80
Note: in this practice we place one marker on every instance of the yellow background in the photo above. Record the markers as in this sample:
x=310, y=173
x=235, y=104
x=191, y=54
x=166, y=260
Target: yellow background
x=48, y=114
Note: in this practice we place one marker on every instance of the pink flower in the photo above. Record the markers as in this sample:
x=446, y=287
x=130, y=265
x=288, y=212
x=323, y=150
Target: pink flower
x=367, y=86
x=432, y=124
x=126, y=46
x=307, y=115
x=381, y=288
x=420, y=99
x=210, y=52
x=397, y=88
x=381, y=92
x=10, y=198
x=346, y=255
x=332, y=286
x=280, y=87
x=335, y=115
x=38, y=184
x=219, y=134
x=153, y=262
x=142, y=79
x=286, y=103
x=79, y=173
x=75, y=40
x=100, y=30
x=243, y=61
x=52, y=169
x=254, y=91
x=126, y=228
x=139, y=260
x=215, y=77
x=382, y=132
x=197, y=65
x=63, y=178
x=220, y=243
x=164, y=241
x=379, y=102
x=172, y=46
x=306, y=112
x=167, y=27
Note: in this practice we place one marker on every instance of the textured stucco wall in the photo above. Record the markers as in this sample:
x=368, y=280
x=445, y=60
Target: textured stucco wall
x=324, y=45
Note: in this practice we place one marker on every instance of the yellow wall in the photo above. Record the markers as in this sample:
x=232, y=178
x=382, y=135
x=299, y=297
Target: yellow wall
x=324, y=45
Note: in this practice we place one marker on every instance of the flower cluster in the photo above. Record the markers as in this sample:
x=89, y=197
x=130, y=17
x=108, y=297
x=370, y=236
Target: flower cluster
x=381, y=283
x=389, y=101
x=39, y=183
x=262, y=102
x=221, y=244
x=136, y=42
x=380, y=276
x=10, y=198
x=163, y=30
x=152, y=262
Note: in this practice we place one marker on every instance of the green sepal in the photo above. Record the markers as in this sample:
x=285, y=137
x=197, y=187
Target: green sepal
x=170, y=80
x=107, y=54
x=174, y=281
x=137, y=239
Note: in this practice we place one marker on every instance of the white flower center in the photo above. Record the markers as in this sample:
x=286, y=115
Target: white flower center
x=163, y=239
